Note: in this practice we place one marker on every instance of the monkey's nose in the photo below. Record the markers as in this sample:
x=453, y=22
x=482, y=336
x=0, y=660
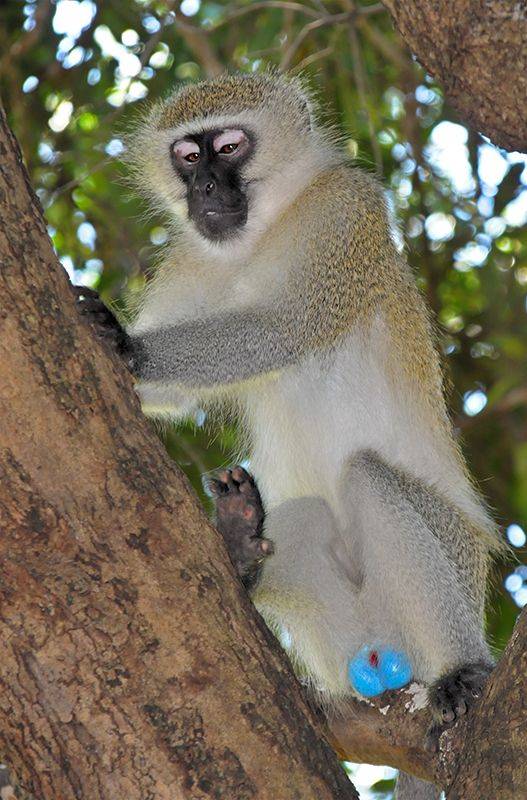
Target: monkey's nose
x=209, y=188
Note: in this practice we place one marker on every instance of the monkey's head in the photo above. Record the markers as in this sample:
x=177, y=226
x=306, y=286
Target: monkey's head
x=226, y=155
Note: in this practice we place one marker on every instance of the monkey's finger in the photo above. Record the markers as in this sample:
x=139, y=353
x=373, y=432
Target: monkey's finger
x=89, y=306
x=100, y=314
x=88, y=302
x=85, y=291
x=257, y=549
x=107, y=333
x=461, y=707
x=246, y=484
x=448, y=715
x=214, y=487
x=266, y=547
x=225, y=476
x=241, y=475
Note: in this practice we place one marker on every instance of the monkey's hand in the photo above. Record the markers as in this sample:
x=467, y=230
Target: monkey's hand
x=239, y=518
x=107, y=326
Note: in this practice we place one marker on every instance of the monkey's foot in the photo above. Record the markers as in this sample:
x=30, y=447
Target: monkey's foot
x=105, y=322
x=239, y=519
x=453, y=694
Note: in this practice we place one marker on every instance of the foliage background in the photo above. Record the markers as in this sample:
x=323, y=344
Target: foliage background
x=72, y=73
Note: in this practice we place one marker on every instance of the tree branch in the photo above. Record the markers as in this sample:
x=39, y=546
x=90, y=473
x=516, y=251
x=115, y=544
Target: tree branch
x=482, y=757
x=360, y=76
x=29, y=39
x=199, y=43
x=324, y=22
x=470, y=50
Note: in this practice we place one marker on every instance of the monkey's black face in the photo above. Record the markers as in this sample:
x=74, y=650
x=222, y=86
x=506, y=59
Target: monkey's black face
x=210, y=165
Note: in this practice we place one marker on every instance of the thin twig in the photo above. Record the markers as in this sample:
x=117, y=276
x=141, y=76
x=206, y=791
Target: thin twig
x=390, y=51
x=373, y=8
x=321, y=22
x=308, y=60
x=29, y=39
x=284, y=5
x=197, y=40
x=361, y=82
x=321, y=7
x=66, y=187
x=268, y=52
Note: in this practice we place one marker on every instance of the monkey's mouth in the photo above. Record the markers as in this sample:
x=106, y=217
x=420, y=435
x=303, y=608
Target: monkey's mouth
x=219, y=213
x=218, y=223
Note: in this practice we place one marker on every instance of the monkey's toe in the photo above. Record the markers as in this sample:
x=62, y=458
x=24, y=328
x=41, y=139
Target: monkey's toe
x=239, y=518
x=453, y=694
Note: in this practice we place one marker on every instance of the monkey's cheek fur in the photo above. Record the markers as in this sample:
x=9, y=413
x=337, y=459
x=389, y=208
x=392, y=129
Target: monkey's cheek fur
x=374, y=670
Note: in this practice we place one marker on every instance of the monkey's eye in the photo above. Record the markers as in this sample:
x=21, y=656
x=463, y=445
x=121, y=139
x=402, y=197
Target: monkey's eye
x=229, y=141
x=187, y=151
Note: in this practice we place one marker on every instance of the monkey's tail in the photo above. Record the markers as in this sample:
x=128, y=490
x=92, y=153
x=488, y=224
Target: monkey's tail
x=410, y=788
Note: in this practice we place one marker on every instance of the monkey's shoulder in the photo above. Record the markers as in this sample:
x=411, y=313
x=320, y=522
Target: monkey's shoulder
x=344, y=196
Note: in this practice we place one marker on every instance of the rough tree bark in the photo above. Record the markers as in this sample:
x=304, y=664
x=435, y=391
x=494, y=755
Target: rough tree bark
x=477, y=50
x=133, y=665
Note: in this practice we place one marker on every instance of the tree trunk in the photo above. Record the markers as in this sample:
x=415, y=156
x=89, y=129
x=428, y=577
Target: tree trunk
x=477, y=50
x=133, y=665
x=491, y=761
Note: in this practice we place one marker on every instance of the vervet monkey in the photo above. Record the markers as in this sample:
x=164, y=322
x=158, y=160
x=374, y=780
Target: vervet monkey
x=283, y=293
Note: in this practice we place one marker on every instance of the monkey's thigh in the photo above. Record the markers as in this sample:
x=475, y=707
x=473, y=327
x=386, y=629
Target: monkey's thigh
x=412, y=592
x=307, y=589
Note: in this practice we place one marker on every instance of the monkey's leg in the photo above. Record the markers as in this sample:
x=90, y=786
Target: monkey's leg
x=310, y=587
x=414, y=583
x=239, y=518
x=305, y=588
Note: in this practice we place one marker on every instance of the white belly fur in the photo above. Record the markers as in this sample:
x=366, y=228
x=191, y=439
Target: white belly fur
x=308, y=422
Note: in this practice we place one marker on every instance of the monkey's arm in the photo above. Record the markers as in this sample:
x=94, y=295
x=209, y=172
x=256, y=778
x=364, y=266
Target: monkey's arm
x=198, y=354
x=214, y=351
